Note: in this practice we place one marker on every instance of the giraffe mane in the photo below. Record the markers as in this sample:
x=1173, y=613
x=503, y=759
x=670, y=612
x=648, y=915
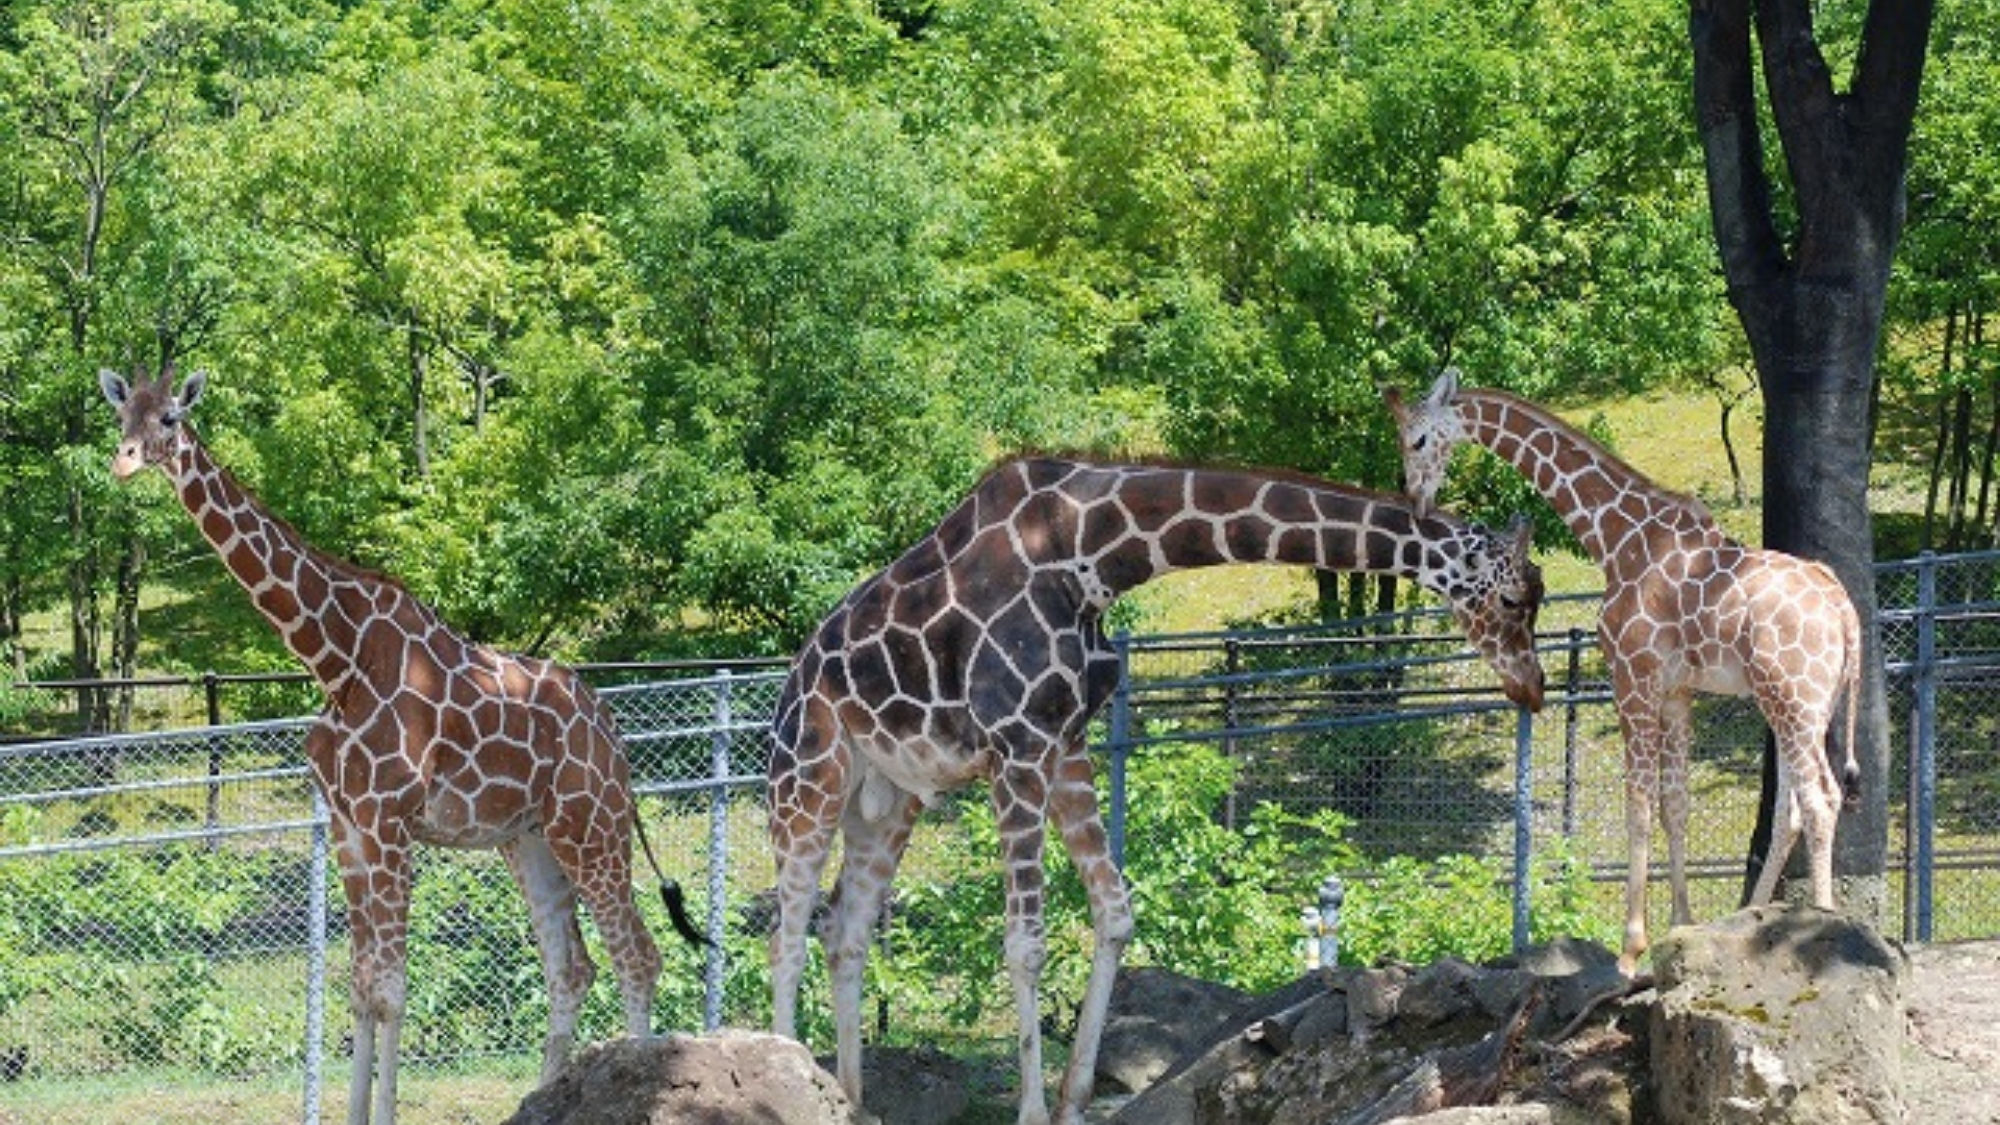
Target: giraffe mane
x=1163, y=461
x=1547, y=418
x=334, y=564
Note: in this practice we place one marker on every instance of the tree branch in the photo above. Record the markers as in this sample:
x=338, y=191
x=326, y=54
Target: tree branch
x=1739, y=192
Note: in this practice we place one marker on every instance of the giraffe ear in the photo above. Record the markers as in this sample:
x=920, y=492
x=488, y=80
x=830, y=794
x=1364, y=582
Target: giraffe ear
x=1445, y=387
x=191, y=390
x=1392, y=397
x=116, y=389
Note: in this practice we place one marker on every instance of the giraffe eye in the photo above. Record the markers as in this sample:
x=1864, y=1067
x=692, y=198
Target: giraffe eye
x=1417, y=443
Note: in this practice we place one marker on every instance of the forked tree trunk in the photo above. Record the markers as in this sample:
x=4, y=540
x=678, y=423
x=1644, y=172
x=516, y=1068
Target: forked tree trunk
x=1812, y=307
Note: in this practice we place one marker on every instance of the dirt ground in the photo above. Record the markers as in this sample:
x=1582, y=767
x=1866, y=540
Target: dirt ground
x=1951, y=1066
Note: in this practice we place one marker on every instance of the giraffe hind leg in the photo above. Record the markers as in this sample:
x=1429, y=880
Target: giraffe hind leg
x=1075, y=805
x=804, y=814
x=871, y=849
x=599, y=866
x=1784, y=829
x=566, y=967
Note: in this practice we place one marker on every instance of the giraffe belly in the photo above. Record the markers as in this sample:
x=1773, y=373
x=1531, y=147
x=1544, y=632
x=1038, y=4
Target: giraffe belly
x=1720, y=678
x=454, y=819
x=917, y=767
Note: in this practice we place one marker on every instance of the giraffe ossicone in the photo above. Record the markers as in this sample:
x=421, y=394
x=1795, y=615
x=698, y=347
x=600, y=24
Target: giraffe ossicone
x=1686, y=609
x=426, y=737
x=980, y=655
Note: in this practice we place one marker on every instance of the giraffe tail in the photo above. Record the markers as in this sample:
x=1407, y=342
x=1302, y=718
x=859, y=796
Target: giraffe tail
x=671, y=894
x=1850, y=771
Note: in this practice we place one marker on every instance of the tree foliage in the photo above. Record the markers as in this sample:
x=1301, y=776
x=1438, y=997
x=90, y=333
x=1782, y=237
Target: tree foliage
x=629, y=327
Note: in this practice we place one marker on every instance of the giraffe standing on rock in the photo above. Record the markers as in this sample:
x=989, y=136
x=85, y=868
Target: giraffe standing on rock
x=980, y=655
x=425, y=737
x=1686, y=609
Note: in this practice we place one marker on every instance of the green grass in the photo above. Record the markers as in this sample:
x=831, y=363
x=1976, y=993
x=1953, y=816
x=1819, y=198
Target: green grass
x=474, y=1095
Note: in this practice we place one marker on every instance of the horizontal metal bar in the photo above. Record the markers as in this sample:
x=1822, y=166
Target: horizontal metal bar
x=191, y=781
x=105, y=843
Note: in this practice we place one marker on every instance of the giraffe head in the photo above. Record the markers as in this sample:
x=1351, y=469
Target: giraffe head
x=1495, y=591
x=1428, y=430
x=150, y=415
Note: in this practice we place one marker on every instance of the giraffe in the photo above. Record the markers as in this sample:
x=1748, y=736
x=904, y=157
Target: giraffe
x=980, y=655
x=426, y=737
x=1686, y=609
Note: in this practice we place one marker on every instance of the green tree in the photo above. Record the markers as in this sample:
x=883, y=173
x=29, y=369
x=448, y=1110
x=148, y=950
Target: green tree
x=98, y=95
x=1941, y=367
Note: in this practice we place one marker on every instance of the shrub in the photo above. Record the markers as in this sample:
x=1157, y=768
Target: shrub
x=1459, y=906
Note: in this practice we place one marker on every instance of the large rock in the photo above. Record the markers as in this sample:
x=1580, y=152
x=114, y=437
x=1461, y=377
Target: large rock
x=1778, y=1014
x=1156, y=1016
x=911, y=1085
x=723, y=1078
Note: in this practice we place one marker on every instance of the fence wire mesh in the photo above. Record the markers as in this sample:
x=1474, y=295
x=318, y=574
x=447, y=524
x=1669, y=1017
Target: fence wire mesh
x=167, y=904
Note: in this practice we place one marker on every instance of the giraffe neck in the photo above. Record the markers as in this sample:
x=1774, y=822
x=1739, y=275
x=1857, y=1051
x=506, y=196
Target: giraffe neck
x=318, y=604
x=1608, y=505
x=1140, y=523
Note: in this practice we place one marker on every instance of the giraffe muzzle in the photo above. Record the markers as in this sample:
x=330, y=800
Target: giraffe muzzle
x=1527, y=692
x=127, y=461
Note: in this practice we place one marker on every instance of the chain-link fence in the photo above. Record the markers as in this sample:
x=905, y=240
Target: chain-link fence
x=168, y=902
x=167, y=905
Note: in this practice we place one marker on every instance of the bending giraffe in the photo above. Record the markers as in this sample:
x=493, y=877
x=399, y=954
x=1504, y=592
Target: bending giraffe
x=1686, y=609
x=980, y=655
x=428, y=738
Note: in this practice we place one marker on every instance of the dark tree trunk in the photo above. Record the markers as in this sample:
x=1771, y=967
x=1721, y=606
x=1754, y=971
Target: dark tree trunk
x=1812, y=310
x=125, y=626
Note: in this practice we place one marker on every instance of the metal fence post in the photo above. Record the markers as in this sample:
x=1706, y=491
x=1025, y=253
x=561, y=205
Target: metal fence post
x=1574, y=685
x=1923, y=771
x=316, y=956
x=1232, y=663
x=718, y=854
x=1119, y=744
x=210, y=687
x=1524, y=820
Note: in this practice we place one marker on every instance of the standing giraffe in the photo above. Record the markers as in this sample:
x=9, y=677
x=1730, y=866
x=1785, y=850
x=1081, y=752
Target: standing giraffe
x=425, y=737
x=980, y=654
x=1686, y=609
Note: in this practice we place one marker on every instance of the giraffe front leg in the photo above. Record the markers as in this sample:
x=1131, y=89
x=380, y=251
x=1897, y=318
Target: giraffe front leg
x=1675, y=739
x=375, y=875
x=1641, y=787
x=1082, y=828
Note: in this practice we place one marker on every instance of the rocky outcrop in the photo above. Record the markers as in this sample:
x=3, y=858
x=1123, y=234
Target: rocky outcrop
x=1771, y=1015
x=725, y=1078
x=1778, y=1014
x=1360, y=1046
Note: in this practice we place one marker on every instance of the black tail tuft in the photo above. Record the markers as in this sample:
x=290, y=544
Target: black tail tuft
x=1850, y=786
x=670, y=892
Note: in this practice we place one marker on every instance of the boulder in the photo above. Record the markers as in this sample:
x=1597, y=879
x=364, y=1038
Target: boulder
x=1156, y=1016
x=1778, y=1014
x=911, y=1085
x=723, y=1078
